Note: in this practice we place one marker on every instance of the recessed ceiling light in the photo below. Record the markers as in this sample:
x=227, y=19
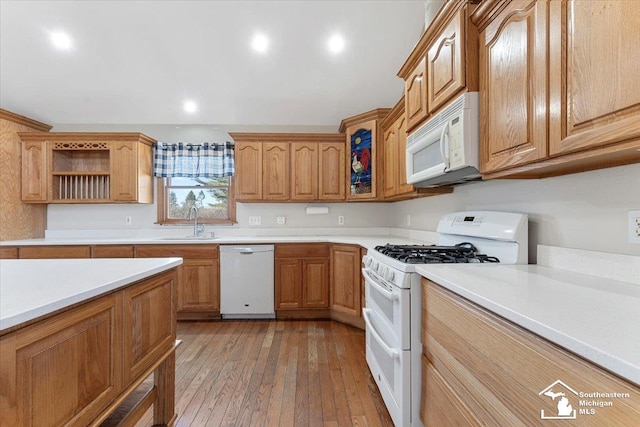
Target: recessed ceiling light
x=61, y=40
x=336, y=44
x=260, y=43
x=190, y=107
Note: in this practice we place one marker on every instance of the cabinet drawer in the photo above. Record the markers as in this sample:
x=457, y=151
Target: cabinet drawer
x=112, y=251
x=502, y=368
x=302, y=250
x=183, y=251
x=8, y=252
x=42, y=252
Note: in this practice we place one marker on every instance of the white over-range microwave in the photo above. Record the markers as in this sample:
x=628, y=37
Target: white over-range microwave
x=444, y=151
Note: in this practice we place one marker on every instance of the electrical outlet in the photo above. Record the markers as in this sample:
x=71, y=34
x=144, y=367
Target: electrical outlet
x=634, y=227
x=128, y=220
x=341, y=220
x=255, y=220
x=280, y=220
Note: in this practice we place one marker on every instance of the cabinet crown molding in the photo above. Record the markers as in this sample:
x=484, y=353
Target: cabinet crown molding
x=377, y=114
x=87, y=136
x=286, y=137
x=22, y=120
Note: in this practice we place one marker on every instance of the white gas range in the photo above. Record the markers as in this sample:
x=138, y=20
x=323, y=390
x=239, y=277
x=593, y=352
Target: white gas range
x=393, y=306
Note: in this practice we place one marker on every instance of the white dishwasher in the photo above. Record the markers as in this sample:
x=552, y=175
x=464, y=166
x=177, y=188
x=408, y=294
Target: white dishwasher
x=246, y=282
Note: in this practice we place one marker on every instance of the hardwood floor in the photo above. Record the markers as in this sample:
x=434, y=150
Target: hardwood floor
x=274, y=373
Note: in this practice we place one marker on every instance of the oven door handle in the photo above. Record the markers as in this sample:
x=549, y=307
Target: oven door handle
x=385, y=293
x=393, y=353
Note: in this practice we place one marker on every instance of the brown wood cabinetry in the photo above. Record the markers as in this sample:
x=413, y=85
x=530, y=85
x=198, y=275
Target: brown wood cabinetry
x=198, y=287
x=304, y=171
x=302, y=279
x=112, y=251
x=19, y=220
x=443, y=63
x=547, y=107
x=76, y=367
x=480, y=369
x=331, y=167
x=365, y=161
x=346, y=281
x=248, y=166
x=288, y=167
x=67, y=167
x=275, y=172
x=8, y=252
x=59, y=251
x=513, y=86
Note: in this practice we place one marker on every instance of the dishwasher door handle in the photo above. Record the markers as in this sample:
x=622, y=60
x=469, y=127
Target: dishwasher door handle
x=246, y=252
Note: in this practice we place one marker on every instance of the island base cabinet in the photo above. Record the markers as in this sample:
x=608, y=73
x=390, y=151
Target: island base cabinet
x=76, y=367
x=65, y=372
x=507, y=376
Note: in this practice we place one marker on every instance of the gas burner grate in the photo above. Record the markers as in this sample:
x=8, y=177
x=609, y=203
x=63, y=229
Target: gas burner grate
x=424, y=254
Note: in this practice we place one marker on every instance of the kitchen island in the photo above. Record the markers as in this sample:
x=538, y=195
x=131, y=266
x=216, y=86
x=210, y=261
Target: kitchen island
x=78, y=337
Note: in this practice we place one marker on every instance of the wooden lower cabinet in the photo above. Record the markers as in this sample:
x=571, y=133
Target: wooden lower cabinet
x=346, y=281
x=76, y=367
x=302, y=280
x=198, y=287
x=480, y=369
x=112, y=251
x=9, y=252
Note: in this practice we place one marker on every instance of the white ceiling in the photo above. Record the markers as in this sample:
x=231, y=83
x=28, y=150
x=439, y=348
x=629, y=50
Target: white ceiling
x=139, y=61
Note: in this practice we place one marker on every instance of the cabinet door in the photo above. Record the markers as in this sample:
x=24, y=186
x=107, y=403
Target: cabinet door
x=401, y=127
x=315, y=283
x=275, y=171
x=199, y=285
x=391, y=160
x=445, y=63
x=345, y=279
x=331, y=171
x=598, y=85
x=304, y=171
x=362, y=170
x=415, y=93
x=8, y=252
x=288, y=284
x=112, y=251
x=124, y=171
x=513, y=94
x=77, y=358
x=34, y=171
x=248, y=165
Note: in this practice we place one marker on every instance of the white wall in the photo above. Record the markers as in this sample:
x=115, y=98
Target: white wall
x=587, y=210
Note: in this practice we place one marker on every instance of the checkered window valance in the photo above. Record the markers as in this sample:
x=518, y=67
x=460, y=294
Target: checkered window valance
x=193, y=160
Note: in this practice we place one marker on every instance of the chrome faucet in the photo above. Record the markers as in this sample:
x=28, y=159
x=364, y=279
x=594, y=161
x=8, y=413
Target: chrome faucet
x=196, y=229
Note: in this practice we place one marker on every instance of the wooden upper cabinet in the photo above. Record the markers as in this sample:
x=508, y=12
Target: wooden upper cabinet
x=289, y=167
x=597, y=90
x=513, y=86
x=87, y=167
x=275, y=171
x=331, y=167
x=446, y=63
x=34, y=171
x=391, y=159
x=415, y=92
x=401, y=127
x=443, y=63
x=304, y=171
x=248, y=166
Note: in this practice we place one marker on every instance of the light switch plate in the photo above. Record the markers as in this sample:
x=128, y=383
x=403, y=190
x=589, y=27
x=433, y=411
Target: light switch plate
x=255, y=220
x=340, y=220
x=634, y=227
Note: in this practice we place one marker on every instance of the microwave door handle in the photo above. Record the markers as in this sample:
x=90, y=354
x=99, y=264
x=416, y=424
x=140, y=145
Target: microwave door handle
x=444, y=146
x=391, y=352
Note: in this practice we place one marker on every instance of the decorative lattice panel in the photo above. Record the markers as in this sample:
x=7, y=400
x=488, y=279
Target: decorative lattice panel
x=80, y=145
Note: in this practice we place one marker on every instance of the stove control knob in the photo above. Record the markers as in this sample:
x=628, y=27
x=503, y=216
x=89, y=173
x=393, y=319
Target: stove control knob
x=382, y=270
x=375, y=266
x=389, y=275
x=366, y=260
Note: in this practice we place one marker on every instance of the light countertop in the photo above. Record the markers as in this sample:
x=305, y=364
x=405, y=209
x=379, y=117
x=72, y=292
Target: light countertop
x=33, y=288
x=596, y=318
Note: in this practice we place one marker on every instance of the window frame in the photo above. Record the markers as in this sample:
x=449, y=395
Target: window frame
x=163, y=217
